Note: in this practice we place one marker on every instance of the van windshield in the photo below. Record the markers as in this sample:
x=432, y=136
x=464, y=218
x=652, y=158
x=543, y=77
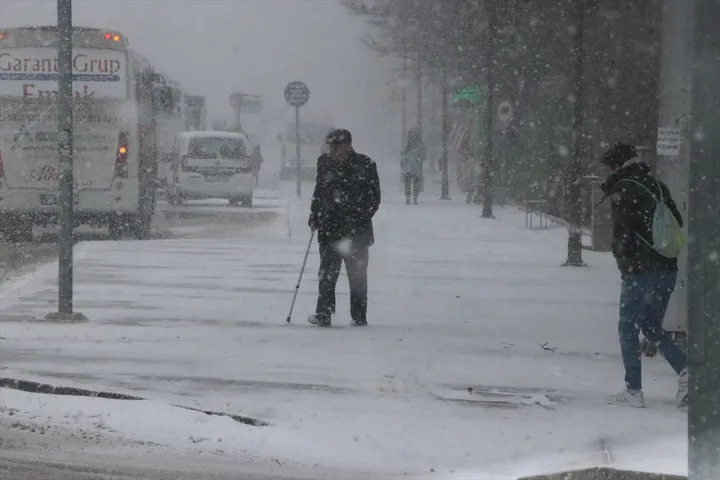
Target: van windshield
x=217, y=148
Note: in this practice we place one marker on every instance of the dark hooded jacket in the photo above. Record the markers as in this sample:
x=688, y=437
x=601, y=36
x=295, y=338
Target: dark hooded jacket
x=632, y=217
x=346, y=197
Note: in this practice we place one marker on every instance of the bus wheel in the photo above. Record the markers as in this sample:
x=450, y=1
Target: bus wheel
x=246, y=201
x=142, y=226
x=117, y=227
x=17, y=229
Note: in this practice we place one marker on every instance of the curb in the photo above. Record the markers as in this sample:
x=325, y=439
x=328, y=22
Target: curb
x=47, y=389
x=604, y=473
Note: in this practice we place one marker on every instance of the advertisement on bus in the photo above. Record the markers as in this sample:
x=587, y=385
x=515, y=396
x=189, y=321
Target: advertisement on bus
x=32, y=73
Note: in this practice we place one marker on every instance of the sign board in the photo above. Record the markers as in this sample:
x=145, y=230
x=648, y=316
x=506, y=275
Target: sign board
x=236, y=99
x=195, y=101
x=668, y=141
x=32, y=73
x=297, y=94
x=252, y=104
x=505, y=112
x=470, y=94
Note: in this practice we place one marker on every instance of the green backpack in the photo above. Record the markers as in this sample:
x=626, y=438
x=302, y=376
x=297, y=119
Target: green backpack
x=668, y=238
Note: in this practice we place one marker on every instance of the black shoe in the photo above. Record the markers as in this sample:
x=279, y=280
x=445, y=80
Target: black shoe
x=319, y=320
x=359, y=323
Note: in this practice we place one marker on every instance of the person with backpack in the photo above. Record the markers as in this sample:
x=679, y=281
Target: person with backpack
x=647, y=238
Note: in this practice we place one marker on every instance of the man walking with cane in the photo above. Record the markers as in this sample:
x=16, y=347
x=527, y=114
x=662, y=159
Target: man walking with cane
x=346, y=197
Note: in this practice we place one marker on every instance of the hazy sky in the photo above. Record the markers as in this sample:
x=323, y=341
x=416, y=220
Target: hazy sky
x=213, y=46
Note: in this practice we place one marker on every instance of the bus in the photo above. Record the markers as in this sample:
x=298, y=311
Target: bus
x=114, y=137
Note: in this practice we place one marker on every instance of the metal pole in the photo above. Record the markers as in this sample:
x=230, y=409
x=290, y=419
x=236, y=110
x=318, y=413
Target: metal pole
x=445, y=188
x=403, y=103
x=704, y=245
x=65, y=128
x=418, y=71
x=489, y=109
x=297, y=150
x=575, y=202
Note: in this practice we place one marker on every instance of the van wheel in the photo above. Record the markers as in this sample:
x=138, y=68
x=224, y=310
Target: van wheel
x=141, y=226
x=175, y=199
x=117, y=228
x=234, y=202
x=246, y=201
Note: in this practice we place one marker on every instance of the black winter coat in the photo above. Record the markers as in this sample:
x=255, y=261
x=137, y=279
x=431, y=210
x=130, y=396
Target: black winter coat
x=346, y=197
x=632, y=215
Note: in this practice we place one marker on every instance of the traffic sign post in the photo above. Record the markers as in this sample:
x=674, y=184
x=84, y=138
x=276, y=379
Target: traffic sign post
x=297, y=94
x=236, y=102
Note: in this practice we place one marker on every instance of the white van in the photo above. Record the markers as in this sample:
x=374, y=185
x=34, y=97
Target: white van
x=211, y=165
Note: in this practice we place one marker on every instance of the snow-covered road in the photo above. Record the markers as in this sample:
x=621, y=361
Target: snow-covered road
x=482, y=350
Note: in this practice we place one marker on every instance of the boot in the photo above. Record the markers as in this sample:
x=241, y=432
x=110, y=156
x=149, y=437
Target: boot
x=415, y=200
x=407, y=200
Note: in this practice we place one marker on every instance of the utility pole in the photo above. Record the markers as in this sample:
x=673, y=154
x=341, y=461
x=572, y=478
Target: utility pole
x=298, y=161
x=704, y=243
x=574, y=258
x=445, y=188
x=65, y=154
x=489, y=193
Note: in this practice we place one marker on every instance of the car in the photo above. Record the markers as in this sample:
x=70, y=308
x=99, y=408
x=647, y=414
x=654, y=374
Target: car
x=210, y=164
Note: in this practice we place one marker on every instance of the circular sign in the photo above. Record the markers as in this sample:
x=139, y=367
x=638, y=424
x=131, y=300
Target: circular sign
x=236, y=99
x=505, y=111
x=297, y=94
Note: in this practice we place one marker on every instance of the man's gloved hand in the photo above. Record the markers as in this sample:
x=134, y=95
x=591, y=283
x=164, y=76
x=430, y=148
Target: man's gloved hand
x=312, y=223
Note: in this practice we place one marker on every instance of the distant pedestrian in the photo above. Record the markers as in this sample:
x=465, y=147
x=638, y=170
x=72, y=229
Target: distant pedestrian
x=346, y=197
x=648, y=276
x=412, y=166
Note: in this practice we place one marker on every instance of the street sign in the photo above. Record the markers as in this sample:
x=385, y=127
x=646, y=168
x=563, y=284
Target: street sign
x=470, y=94
x=236, y=99
x=505, y=112
x=297, y=94
x=252, y=104
x=195, y=101
x=668, y=141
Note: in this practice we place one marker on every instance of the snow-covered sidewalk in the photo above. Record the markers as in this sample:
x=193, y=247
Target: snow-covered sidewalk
x=482, y=350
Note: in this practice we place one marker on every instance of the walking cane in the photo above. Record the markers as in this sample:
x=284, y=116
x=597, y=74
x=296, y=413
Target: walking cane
x=302, y=269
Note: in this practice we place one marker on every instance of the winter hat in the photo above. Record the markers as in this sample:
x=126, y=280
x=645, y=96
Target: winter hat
x=338, y=137
x=618, y=154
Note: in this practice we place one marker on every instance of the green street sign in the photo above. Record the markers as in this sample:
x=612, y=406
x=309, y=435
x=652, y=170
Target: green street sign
x=470, y=94
x=252, y=104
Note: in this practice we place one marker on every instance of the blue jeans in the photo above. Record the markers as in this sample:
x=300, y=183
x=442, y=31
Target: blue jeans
x=643, y=302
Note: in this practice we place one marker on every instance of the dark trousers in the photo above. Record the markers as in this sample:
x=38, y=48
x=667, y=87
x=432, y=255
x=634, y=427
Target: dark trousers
x=412, y=184
x=643, y=301
x=356, y=263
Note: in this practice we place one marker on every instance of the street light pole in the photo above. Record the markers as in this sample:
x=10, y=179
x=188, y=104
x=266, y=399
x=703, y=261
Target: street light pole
x=445, y=188
x=65, y=154
x=418, y=72
x=65, y=127
x=704, y=244
x=489, y=193
x=574, y=258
